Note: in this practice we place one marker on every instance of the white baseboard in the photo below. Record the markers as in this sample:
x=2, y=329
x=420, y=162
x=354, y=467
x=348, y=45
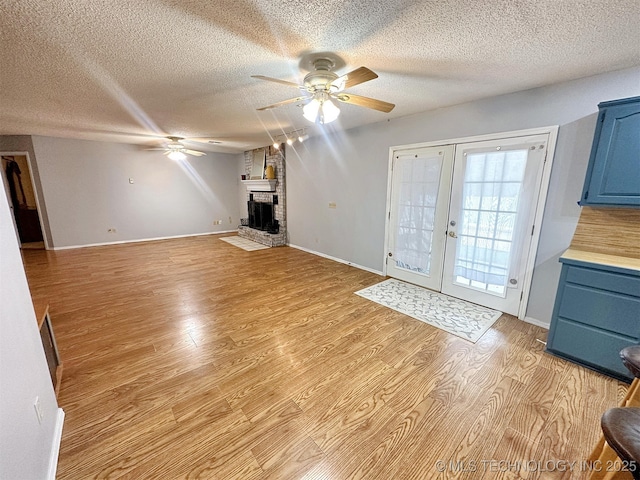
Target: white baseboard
x=536, y=322
x=339, y=260
x=55, y=447
x=142, y=240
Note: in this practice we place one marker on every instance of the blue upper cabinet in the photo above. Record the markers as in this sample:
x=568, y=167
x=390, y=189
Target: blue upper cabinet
x=613, y=174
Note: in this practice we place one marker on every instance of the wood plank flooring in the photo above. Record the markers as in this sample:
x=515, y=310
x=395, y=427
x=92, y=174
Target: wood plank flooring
x=192, y=358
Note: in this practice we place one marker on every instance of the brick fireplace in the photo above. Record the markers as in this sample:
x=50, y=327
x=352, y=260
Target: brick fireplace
x=273, y=202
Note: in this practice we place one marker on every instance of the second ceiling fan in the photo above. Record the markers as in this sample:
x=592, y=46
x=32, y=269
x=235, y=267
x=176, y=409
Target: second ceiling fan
x=322, y=85
x=175, y=149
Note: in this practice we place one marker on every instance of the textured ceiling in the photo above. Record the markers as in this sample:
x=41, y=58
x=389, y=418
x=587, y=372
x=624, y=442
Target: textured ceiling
x=132, y=70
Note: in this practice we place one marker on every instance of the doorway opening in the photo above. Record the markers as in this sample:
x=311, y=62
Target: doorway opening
x=23, y=203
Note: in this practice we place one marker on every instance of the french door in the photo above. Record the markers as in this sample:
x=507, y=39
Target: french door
x=461, y=217
x=493, y=198
x=421, y=182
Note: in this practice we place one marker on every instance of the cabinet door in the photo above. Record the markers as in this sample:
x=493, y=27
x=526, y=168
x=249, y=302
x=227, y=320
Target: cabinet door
x=613, y=175
x=596, y=314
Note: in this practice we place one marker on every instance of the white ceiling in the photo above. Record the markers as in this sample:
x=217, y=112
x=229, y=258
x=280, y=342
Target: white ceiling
x=132, y=70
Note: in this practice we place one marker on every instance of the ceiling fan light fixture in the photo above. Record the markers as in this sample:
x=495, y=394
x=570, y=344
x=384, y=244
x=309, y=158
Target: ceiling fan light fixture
x=328, y=112
x=177, y=155
x=310, y=110
x=322, y=83
x=321, y=109
x=176, y=151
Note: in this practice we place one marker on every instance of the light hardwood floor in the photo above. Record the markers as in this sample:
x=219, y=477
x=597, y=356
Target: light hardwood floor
x=194, y=358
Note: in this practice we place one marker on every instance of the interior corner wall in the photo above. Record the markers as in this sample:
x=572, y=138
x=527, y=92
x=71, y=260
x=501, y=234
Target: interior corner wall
x=91, y=187
x=350, y=169
x=26, y=446
x=24, y=143
x=242, y=191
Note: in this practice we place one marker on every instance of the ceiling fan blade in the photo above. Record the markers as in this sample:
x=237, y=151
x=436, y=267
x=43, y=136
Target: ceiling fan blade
x=204, y=140
x=195, y=153
x=367, y=102
x=155, y=149
x=284, y=102
x=277, y=80
x=355, y=77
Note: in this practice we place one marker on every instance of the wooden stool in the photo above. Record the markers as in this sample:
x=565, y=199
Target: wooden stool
x=603, y=455
x=621, y=429
x=631, y=359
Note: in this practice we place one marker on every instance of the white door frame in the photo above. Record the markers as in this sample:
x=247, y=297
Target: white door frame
x=12, y=207
x=530, y=254
x=36, y=192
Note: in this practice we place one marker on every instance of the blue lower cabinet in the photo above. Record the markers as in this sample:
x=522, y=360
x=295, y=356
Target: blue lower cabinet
x=596, y=314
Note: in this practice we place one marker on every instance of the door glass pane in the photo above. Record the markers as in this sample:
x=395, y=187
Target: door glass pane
x=416, y=211
x=487, y=224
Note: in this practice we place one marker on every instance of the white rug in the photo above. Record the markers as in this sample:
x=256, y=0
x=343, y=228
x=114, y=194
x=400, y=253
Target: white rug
x=243, y=243
x=458, y=317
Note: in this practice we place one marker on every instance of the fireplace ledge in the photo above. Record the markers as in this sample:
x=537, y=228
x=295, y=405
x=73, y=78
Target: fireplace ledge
x=264, y=185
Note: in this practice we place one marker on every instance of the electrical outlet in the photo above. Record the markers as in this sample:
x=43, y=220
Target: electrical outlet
x=230, y=221
x=332, y=205
x=217, y=222
x=38, y=408
x=112, y=230
x=130, y=180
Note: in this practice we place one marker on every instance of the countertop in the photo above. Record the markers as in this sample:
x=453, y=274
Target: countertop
x=602, y=259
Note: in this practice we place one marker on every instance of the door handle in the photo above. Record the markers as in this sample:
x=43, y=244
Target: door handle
x=452, y=234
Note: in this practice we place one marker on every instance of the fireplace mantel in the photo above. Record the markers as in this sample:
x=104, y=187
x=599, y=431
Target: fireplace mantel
x=264, y=185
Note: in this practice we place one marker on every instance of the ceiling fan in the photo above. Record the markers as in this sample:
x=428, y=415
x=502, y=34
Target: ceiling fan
x=322, y=85
x=175, y=150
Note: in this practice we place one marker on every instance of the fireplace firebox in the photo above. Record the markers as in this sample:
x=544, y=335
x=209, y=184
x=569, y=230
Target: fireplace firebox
x=261, y=216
